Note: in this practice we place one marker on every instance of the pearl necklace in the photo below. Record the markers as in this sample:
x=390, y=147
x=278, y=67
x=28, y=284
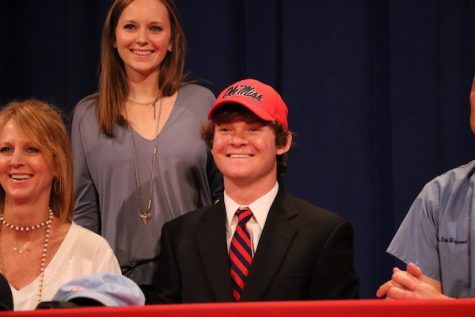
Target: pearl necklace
x=44, y=252
x=26, y=228
x=46, y=223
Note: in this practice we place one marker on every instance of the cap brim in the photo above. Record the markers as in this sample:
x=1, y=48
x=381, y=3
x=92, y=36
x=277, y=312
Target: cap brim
x=104, y=299
x=256, y=110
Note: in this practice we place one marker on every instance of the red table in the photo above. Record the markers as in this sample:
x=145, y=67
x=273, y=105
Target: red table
x=342, y=308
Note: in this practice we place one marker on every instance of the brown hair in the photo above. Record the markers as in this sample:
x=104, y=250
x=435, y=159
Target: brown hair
x=113, y=88
x=236, y=112
x=43, y=124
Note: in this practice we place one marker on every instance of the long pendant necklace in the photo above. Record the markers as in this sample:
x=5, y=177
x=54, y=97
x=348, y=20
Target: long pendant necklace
x=144, y=211
x=44, y=253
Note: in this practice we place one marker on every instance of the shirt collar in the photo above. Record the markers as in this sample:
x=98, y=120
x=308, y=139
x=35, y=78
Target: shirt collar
x=260, y=207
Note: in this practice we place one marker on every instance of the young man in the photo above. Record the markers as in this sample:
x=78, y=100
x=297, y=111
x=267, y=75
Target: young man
x=436, y=239
x=259, y=242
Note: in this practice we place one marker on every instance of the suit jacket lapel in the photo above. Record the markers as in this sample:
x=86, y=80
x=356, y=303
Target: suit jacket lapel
x=273, y=244
x=211, y=239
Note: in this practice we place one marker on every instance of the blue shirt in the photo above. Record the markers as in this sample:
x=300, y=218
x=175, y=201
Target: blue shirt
x=438, y=232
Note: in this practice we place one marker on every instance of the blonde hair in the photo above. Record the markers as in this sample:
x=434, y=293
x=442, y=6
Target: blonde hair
x=43, y=124
x=113, y=88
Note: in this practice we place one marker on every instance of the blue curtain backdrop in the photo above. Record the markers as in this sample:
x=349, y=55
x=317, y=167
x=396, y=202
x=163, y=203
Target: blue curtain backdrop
x=377, y=89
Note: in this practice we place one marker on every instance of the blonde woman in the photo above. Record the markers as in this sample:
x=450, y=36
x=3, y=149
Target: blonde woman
x=36, y=207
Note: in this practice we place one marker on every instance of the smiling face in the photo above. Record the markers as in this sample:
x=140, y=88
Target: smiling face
x=26, y=174
x=143, y=36
x=245, y=152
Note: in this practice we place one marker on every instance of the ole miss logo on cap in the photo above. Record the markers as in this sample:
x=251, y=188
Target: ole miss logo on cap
x=243, y=90
x=261, y=99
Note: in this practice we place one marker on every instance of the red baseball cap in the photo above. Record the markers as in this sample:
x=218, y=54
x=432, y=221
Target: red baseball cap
x=261, y=99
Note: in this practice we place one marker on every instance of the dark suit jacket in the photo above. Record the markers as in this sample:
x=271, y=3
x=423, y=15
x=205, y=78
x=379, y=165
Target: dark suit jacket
x=304, y=252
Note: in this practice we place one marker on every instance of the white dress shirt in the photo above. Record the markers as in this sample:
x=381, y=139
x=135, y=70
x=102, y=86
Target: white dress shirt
x=260, y=209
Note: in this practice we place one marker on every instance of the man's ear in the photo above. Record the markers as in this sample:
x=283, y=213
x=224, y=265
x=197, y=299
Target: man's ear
x=285, y=148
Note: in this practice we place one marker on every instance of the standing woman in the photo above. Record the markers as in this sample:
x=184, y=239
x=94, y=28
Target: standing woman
x=139, y=160
x=40, y=248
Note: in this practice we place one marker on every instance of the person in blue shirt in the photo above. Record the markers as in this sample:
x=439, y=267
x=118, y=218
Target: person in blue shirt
x=436, y=237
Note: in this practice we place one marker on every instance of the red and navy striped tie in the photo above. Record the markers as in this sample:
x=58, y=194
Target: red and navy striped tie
x=240, y=253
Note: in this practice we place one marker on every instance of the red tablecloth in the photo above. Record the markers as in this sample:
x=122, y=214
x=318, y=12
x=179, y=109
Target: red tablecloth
x=343, y=308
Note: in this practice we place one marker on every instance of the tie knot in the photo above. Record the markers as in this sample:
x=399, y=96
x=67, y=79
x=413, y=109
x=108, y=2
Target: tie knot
x=243, y=215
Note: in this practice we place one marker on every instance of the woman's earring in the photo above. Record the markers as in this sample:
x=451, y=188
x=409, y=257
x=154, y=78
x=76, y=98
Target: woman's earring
x=57, y=185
